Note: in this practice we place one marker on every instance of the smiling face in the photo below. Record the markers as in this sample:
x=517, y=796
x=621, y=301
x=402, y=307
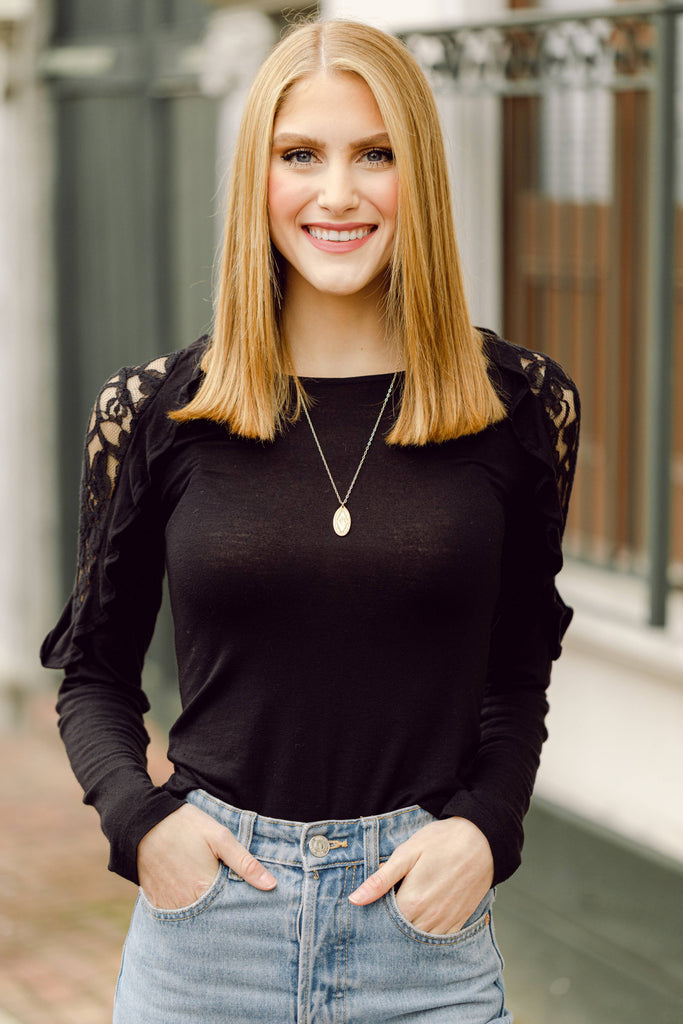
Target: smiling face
x=332, y=186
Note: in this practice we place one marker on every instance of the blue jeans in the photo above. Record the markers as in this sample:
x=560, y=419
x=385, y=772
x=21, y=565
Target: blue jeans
x=301, y=953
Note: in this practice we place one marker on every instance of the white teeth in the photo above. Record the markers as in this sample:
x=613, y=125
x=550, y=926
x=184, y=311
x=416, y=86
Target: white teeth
x=330, y=235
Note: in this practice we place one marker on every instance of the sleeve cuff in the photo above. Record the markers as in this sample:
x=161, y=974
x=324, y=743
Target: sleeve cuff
x=130, y=812
x=501, y=828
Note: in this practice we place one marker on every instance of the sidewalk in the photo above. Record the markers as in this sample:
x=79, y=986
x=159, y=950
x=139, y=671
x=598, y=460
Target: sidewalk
x=63, y=916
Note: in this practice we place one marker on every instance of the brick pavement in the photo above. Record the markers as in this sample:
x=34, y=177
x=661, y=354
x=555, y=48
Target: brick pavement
x=63, y=916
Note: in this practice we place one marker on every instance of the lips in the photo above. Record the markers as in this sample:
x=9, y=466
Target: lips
x=339, y=239
x=341, y=235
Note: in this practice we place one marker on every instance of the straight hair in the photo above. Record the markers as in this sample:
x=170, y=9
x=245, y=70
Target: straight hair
x=247, y=378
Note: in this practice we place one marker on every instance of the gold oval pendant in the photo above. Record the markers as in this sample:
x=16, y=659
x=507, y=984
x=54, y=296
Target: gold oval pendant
x=342, y=521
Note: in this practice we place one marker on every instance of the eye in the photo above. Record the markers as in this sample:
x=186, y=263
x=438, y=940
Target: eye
x=299, y=157
x=378, y=156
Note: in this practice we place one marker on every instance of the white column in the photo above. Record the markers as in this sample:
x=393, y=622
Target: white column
x=472, y=129
x=28, y=505
x=577, y=128
x=234, y=46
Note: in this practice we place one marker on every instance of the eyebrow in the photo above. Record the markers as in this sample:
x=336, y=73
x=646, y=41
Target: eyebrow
x=294, y=139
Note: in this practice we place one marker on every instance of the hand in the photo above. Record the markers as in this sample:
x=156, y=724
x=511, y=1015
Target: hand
x=447, y=869
x=178, y=859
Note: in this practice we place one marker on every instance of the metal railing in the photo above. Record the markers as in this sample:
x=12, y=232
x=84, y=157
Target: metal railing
x=625, y=49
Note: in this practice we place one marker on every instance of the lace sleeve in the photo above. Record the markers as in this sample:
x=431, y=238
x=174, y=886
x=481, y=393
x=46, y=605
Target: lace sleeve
x=531, y=618
x=112, y=422
x=102, y=636
x=544, y=410
x=114, y=484
x=560, y=400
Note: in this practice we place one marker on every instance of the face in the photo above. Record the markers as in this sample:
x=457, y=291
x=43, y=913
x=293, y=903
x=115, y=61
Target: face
x=332, y=186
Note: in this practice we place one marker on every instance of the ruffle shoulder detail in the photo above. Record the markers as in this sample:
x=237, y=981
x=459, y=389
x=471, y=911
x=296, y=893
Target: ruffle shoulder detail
x=129, y=429
x=544, y=409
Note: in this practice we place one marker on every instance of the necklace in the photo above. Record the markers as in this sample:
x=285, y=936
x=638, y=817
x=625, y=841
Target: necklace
x=342, y=517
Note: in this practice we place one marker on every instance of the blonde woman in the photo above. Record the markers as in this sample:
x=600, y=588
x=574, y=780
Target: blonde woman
x=358, y=500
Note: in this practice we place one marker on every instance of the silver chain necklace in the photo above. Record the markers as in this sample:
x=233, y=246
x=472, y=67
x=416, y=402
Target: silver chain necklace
x=342, y=517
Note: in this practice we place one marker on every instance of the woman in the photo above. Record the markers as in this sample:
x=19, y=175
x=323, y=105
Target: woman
x=358, y=500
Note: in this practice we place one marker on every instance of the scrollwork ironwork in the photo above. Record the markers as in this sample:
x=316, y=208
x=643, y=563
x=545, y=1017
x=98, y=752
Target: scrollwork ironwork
x=512, y=58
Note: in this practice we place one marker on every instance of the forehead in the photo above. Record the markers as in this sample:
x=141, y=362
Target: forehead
x=326, y=99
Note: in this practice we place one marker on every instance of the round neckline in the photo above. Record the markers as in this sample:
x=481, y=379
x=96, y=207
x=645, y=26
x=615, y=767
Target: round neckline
x=358, y=378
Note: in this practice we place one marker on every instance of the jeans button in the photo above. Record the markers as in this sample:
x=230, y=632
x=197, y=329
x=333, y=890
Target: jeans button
x=319, y=846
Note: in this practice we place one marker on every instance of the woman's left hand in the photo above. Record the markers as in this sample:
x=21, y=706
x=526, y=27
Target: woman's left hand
x=447, y=869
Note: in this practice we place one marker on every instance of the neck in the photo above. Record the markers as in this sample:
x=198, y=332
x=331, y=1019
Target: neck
x=337, y=335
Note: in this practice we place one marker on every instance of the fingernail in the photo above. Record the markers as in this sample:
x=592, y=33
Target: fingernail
x=356, y=896
x=267, y=880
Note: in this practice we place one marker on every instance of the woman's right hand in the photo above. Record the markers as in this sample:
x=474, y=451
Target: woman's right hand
x=178, y=859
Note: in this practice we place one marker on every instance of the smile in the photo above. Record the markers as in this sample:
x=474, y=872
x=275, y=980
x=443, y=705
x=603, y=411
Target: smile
x=329, y=235
x=339, y=241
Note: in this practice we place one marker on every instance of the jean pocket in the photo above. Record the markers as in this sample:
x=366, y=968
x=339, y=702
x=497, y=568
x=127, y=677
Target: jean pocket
x=193, y=909
x=475, y=925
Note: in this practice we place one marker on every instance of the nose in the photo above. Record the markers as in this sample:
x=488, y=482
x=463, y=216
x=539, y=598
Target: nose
x=337, y=191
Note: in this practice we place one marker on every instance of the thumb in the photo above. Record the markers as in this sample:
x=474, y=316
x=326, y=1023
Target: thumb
x=381, y=881
x=237, y=857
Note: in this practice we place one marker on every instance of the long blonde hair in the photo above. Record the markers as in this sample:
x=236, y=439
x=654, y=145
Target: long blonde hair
x=246, y=385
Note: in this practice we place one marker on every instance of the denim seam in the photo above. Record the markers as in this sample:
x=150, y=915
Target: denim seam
x=494, y=943
x=501, y=988
x=265, y=859
x=375, y=865
x=340, y=943
x=309, y=950
x=435, y=940
x=346, y=949
x=389, y=816
x=183, y=913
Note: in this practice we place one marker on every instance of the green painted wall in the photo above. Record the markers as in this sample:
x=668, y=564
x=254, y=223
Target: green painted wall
x=135, y=228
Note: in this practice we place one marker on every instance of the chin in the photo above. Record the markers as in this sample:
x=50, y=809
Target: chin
x=343, y=291
x=346, y=286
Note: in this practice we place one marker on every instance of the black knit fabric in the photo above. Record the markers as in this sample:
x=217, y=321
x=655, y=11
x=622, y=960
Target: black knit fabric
x=321, y=677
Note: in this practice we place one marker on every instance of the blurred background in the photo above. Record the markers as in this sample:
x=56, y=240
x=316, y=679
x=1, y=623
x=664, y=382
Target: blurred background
x=564, y=130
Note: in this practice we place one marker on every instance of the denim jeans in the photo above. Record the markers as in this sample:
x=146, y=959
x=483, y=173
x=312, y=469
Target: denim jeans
x=301, y=953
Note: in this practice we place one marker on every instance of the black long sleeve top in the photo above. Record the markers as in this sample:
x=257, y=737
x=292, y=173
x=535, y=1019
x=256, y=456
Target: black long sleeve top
x=320, y=676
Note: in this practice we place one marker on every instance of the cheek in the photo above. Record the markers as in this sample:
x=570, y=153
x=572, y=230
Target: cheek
x=387, y=199
x=284, y=197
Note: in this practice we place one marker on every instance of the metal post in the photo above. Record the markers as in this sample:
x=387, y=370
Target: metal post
x=662, y=312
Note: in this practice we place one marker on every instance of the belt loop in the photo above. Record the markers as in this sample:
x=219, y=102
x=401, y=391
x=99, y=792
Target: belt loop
x=371, y=845
x=244, y=835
